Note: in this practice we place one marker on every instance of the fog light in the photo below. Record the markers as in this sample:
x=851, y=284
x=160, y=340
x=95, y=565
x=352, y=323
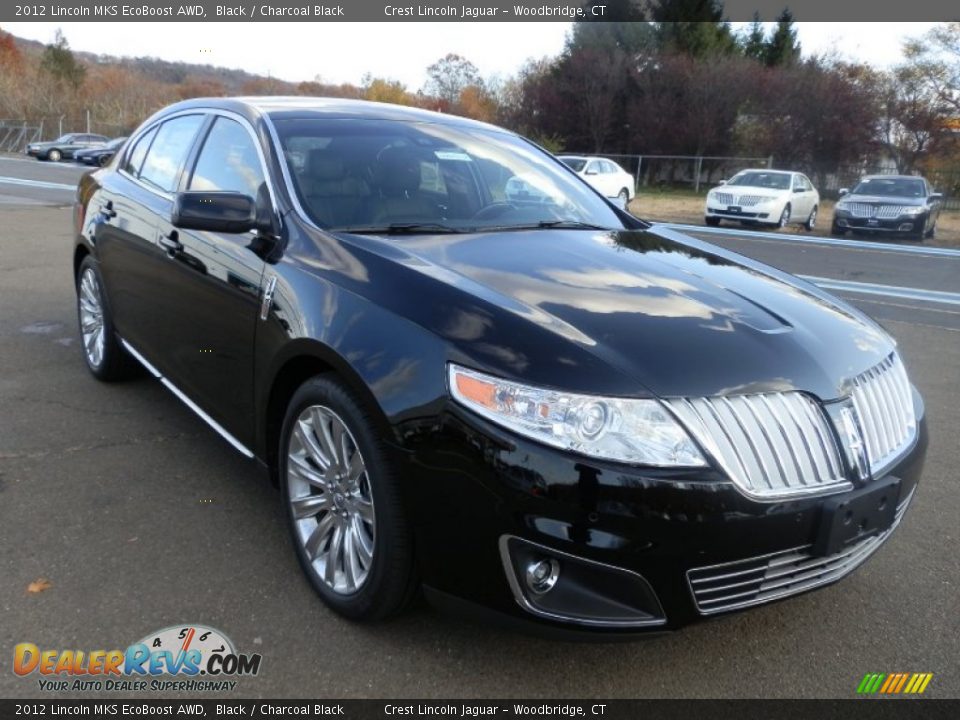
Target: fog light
x=542, y=575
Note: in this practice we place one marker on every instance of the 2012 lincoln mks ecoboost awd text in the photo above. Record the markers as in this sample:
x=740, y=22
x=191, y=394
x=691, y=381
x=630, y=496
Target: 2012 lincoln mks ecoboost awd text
x=545, y=408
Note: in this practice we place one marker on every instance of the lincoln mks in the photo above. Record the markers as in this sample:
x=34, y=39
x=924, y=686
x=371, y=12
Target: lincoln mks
x=528, y=404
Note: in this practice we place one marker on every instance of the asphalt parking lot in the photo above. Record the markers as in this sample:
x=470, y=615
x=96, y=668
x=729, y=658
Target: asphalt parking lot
x=140, y=517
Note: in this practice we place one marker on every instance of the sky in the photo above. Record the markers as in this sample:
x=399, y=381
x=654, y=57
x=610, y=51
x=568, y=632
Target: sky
x=344, y=52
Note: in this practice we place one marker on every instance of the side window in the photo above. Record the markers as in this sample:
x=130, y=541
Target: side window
x=167, y=153
x=797, y=183
x=228, y=161
x=139, y=151
x=593, y=167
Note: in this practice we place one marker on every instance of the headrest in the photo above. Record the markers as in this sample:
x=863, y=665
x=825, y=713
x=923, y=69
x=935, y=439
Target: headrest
x=320, y=166
x=398, y=170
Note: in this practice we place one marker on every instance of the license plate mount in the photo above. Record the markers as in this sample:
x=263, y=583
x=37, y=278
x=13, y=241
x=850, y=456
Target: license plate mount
x=733, y=209
x=852, y=517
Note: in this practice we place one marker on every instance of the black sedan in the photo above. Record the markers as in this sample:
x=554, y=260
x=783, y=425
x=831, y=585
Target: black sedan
x=65, y=146
x=99, y=156
x=547, y=409
x=889, y=204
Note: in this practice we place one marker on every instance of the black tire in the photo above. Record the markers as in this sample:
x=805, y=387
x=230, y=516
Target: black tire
x=390, y=582
x=54, y=155
x=103, y=160
x=112, y=363
x=711, y=221
x=837, y=230
x=784, y=217
x=811, y=222
x=932, y=232
x=624, y=196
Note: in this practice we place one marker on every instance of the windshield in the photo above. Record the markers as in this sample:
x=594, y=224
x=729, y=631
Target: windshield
x=575, y=164
x=772, y=180
x=890, y=187
x=388, y=175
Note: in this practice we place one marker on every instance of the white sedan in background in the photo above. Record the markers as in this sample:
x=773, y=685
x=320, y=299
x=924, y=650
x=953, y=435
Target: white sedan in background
x=609, y=179
x=764, y=197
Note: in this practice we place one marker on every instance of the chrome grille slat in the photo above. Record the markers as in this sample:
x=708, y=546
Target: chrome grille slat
x=866, y=210
x=780, y=574
x=765, y=442
x=883, y=400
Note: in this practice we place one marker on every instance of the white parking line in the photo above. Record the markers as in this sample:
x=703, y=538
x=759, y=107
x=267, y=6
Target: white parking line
x=813, y=240
x=38, y=184
x=931, y=296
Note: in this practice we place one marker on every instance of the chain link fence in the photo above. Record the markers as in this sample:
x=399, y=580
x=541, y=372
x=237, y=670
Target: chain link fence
x=15, y=136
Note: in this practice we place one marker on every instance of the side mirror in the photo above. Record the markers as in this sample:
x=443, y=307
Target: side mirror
x=798, y=189
x=590, y=172
x=842, y=191
x=723, y=182
x=935, y=196
x=226, y=212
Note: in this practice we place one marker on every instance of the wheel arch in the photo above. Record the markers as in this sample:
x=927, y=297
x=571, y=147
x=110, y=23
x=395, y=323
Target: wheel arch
x=302, y=360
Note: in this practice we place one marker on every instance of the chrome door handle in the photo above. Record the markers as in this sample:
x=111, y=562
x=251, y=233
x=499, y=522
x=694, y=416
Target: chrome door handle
x=171, y=242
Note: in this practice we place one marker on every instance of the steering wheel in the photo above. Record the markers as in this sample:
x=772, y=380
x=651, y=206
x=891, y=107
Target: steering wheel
x=493, y=210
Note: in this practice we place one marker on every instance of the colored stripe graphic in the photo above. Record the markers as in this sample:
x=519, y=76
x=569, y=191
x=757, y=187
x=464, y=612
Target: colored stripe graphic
x=894, y=683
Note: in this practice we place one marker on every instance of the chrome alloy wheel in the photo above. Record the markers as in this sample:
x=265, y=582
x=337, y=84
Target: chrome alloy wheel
x=91, y=318
x=330, y=499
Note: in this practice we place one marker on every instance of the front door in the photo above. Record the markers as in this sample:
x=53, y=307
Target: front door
x=215, y=281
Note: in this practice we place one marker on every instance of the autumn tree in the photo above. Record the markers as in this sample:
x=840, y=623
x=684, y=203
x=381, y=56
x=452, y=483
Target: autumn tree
x=936, y=58
x=448, y=76
x=914, y=119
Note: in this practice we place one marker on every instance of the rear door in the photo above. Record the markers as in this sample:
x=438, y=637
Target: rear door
x=133, y=201
x=214, y=281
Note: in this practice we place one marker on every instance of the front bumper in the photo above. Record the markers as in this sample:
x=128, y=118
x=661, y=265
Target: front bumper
x=905, y=224
x=758, y=213
x=668, y=536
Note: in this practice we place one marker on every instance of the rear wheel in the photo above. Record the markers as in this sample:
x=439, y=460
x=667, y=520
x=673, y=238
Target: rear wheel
x=711, y=221
x=105, y=357
x=811, y=222
x=624, y=196
x=54, y=156
x=342, y=503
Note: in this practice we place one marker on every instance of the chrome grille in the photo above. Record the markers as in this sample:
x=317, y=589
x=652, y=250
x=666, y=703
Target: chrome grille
x=865, y=210
x=884, y=403
x=750, y=200
x=757, y=580
x=770, y=445
x=725, y=198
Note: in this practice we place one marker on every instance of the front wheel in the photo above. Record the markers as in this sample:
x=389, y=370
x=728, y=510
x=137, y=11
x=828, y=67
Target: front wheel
x=342, y=503
x=837, y=230
x=712, y=221
x=784, y=217
x=54, y=156
x=811, y=222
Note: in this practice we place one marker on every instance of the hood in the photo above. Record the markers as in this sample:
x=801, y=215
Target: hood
x=883, y=199
x=676, y=315
x=749, y=190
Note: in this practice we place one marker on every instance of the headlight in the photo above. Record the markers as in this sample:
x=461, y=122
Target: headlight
x=765, y=199
x=620, y=429
x=912, y=210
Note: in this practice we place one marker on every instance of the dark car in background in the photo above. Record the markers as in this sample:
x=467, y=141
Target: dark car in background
x=532, y=403
x=65, y=146
x=99, y=155
x=890, y=204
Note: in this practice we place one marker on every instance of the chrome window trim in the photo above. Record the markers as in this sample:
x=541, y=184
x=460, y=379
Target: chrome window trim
x=533, y=610
x=229, y=114
x=187, y=401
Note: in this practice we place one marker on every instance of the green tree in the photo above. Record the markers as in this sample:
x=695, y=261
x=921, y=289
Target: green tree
x=693, y=27
x=783, y=49
x=58, y=62
x=754, y=41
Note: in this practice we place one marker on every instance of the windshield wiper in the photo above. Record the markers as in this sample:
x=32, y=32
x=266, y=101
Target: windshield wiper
x=543, y=224
x=399, y=229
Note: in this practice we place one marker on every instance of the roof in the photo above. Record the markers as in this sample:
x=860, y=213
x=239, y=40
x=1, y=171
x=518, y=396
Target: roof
x=304, y=106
